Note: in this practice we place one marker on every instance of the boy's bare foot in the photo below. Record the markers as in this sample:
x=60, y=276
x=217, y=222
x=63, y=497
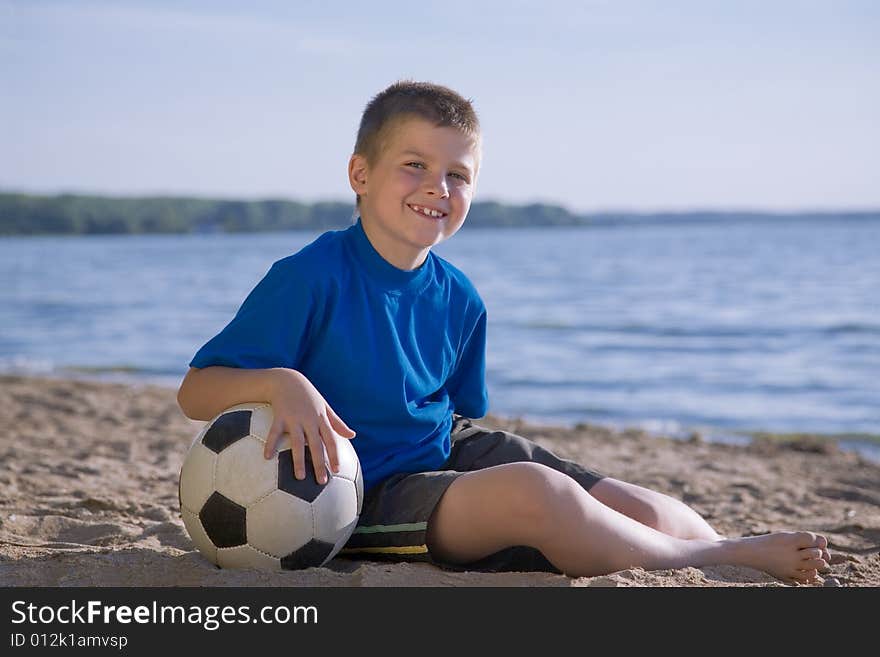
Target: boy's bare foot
x=793, y=557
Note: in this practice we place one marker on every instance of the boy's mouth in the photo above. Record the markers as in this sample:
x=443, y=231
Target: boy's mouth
x=431, y=213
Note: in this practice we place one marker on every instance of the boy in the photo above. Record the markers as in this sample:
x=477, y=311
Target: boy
x=366, y=330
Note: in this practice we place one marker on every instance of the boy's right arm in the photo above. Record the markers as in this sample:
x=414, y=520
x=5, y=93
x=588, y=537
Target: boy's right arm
x=299, y=409
x=205, y=393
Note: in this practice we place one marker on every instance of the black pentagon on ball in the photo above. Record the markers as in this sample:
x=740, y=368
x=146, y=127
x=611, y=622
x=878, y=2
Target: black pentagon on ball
x=226, y=429
x=311, y=554
x=224, y=521
x=306, y=489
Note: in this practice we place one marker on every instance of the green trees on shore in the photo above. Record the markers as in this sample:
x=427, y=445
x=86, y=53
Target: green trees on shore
x=69, y=214
x=66, y=214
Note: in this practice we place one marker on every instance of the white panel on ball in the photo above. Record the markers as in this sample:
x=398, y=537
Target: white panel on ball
x=244, y=556
x=334, y=509
x=280, y=524
x=242, y=474
x=197, y=477
x=348, y=460
x=261, y=421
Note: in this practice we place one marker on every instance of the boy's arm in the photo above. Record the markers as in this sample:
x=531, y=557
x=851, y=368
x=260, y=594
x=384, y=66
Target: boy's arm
x=205, y=393
x=467, y=385
x=298, y=409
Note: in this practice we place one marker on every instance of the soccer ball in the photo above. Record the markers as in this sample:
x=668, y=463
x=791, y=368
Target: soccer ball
x=245, y=511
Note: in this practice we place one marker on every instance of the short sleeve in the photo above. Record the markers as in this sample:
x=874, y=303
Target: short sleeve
x=269, y=330
x=467, y=385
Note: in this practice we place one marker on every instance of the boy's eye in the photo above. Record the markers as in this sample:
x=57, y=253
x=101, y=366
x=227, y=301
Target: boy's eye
x=422, y=166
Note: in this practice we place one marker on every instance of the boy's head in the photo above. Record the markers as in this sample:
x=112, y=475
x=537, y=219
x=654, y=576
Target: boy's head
x=405, y=100
x=418, y=150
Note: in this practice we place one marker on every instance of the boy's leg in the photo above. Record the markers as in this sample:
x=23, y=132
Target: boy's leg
x=653, y=508
x=477, y=447
x=487, y=510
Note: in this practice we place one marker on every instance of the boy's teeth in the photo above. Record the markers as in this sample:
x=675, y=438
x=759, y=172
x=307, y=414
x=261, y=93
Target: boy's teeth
x=426, y=211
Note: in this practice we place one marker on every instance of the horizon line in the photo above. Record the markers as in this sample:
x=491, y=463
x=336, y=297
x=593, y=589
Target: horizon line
x=720, y=208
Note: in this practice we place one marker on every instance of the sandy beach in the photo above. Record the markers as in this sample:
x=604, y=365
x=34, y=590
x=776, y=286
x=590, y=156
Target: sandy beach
x=89, y=497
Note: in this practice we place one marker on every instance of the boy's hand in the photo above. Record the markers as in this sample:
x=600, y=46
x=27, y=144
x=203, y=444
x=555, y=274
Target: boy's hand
x=301, y=412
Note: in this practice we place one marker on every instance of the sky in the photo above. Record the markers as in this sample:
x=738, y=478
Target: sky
x=592, y=105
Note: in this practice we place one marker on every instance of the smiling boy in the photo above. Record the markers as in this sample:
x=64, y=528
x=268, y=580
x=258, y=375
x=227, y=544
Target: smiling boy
x=366, y=332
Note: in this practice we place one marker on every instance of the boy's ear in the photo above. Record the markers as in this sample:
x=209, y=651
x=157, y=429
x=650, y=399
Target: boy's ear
x=357, y=173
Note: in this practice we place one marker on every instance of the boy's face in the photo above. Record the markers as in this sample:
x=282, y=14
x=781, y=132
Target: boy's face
x=421, y=167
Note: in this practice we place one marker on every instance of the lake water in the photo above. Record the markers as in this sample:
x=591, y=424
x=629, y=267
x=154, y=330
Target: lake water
x=720, y=328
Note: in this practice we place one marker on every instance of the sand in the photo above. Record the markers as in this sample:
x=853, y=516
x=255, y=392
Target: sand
x=89, y=497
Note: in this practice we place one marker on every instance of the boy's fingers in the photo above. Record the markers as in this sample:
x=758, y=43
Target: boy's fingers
x=338, y=425
x=297, y=449
x=329, y=438
x=272, y=439
x=313, y=435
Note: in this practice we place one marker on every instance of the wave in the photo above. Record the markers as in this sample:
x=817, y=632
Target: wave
x=843, y=329
x=117, y=369
x=654, y=331
x=42, y=366
x=690, y=385
x=695, y=332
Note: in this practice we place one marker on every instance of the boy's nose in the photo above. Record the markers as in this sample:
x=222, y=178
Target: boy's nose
x=437, y=186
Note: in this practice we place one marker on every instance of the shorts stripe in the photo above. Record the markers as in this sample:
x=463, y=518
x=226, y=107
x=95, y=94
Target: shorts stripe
x=406, y=549
x=406, y=527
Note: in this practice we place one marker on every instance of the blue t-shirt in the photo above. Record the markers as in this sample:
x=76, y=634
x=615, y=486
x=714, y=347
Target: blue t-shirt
x=393, y=352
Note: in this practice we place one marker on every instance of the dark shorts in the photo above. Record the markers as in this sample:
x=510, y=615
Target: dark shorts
x=394, y=521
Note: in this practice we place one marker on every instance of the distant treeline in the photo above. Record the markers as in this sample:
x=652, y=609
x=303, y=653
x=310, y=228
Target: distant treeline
x=67, y=214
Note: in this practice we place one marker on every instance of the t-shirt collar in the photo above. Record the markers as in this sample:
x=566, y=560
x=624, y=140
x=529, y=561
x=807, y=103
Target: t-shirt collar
x=380, y=270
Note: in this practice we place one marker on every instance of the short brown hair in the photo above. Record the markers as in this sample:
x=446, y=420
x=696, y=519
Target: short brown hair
x=407, y=99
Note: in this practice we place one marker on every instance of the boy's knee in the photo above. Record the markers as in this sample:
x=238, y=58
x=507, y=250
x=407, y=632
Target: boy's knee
x=648, y=512
x=651, y=508
x=487, y=510
x=533, y=489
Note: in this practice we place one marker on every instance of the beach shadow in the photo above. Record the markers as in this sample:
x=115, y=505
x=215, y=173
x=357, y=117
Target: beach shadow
x=145, y=567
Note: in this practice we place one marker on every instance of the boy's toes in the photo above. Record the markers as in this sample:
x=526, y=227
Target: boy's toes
x=811, y=577
x=811, y=553
x=814, y=544
x=807, y=576
x=813, y=565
